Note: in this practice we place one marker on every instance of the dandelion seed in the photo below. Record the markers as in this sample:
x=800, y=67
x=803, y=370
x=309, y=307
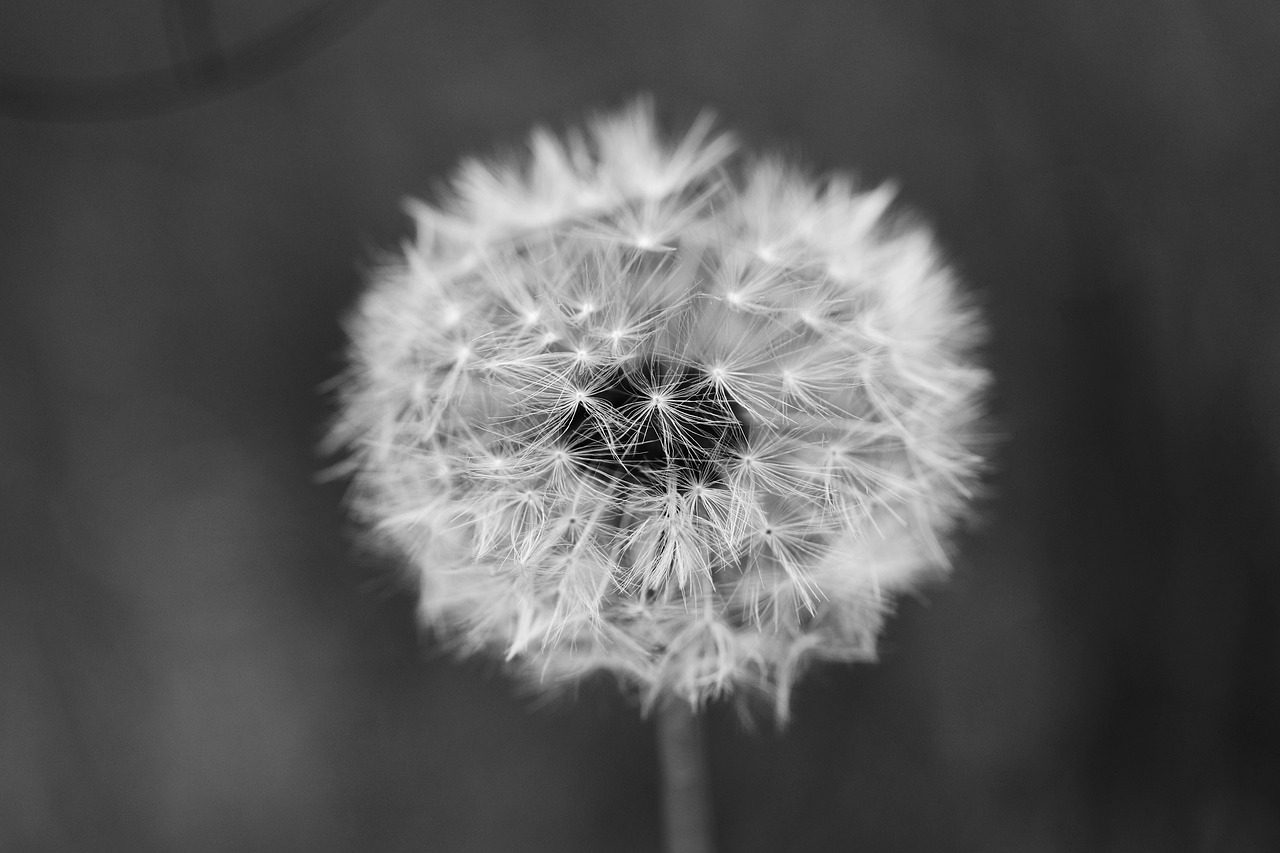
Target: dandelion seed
x=633, y=407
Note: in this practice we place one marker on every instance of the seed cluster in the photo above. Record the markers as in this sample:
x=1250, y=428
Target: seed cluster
x=651, y=423
x=620, y=410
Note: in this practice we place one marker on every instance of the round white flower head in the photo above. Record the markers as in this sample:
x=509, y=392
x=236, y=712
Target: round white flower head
x=627, y=406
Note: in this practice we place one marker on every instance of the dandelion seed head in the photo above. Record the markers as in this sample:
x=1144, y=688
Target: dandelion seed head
x=637, y=405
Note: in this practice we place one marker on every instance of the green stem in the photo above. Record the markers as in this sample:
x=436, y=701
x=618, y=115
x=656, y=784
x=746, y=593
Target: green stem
x=686, y=792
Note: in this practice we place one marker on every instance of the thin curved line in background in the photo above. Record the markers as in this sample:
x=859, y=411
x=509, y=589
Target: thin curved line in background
x=191, y=80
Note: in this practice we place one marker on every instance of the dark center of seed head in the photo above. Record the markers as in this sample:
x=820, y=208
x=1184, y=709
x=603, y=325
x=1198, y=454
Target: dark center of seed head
x=624, y=434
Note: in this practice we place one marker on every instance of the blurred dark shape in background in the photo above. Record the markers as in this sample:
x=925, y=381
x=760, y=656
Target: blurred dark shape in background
x=194, y=655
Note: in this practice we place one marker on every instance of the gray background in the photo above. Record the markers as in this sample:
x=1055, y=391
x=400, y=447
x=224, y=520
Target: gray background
x=193, y=654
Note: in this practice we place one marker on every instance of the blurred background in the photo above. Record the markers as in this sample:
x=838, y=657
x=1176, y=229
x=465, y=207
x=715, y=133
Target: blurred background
x=195, y=656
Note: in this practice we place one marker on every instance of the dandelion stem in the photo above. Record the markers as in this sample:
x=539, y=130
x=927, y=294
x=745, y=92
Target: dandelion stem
x=686, y=793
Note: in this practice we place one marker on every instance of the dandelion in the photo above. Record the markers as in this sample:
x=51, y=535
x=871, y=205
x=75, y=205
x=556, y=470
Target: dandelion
x=643, y=407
